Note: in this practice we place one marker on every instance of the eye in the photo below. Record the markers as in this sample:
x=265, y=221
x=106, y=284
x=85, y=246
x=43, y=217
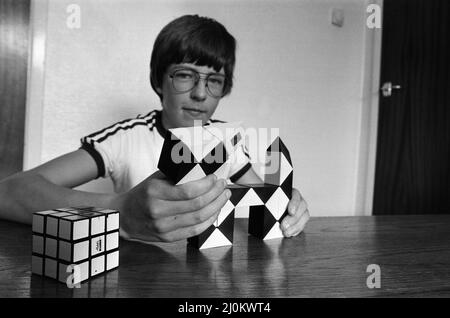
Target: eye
x=216, y=80
x=184, y=75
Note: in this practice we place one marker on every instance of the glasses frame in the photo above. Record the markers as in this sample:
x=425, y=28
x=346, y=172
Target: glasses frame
x=198, y=77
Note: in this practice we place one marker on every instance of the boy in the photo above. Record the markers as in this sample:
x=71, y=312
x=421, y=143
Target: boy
x=191, y=69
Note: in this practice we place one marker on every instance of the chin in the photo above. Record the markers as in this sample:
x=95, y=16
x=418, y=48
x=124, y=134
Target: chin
x=189, y=122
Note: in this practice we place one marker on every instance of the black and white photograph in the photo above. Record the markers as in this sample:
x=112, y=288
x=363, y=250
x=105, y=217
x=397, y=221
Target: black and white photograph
x=224, y=154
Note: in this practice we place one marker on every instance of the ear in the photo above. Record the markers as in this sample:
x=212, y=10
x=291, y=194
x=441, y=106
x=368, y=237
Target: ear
x=159, y=90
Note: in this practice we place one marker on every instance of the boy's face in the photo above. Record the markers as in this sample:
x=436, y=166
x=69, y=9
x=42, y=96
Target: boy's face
x=182, y=109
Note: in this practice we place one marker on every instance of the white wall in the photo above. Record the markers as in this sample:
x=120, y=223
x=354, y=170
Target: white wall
x=294, y=71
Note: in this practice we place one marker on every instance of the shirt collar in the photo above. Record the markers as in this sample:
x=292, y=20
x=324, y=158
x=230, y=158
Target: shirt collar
x=159, y=125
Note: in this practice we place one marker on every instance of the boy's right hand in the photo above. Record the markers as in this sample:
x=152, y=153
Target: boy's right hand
x=157, y=210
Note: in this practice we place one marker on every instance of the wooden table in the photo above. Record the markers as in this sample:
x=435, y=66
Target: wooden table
x=329, y=259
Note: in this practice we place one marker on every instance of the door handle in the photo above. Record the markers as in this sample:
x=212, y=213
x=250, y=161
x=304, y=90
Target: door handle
x=387, y=88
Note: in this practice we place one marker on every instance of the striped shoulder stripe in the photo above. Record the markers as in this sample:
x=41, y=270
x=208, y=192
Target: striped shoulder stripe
x=148, y=120
x=245, y=151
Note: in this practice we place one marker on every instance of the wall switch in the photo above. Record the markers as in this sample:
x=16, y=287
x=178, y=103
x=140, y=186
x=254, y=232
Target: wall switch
x=337, y=17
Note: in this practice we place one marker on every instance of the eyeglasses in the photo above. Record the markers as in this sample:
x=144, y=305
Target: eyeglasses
x=185, y=79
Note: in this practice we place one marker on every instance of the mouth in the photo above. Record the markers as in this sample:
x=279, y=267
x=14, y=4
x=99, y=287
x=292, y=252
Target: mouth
x=194, y=111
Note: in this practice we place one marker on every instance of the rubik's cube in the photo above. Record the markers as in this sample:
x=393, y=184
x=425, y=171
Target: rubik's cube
x=184, y=157
x=83, y=237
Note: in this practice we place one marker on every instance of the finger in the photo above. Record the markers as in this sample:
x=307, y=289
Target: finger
x=189, y=231
x=165, y=190
x=291, y=221
x=294, y=202
x=143, y=237
x=293, y=218
x=171, y=223
x=166, y=208
x=299, y=226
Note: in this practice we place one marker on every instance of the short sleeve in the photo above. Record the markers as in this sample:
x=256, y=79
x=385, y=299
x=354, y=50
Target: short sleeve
x=105, y=150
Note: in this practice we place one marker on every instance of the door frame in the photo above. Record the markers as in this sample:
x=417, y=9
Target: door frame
x=365, y=182
x=34, y=108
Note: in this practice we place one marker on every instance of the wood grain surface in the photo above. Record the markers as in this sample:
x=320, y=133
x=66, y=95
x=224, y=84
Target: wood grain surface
x=329, y=259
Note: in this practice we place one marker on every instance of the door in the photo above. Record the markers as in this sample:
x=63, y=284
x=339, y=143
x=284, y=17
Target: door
x=412, y=174
x=14, y=24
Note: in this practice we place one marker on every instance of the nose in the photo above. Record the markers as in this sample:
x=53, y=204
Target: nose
x=199, y=91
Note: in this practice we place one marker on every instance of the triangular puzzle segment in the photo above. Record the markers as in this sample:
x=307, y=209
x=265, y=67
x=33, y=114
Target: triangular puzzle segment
x=286, y=186
x=278, y=163
x=196, y=173
x=272, y=168
x=224, y=212
x=277, y=203
x=260, y=221
x=214, y=159
x=237, y=192
x=285, y=169
x=198, y=240
x=216, y=239
x=232, y=134
x=275, y=232
x=176, y=159
x=264, y=190
x=250, y=199
x=227, y=226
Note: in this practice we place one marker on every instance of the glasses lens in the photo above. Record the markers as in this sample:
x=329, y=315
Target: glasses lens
x=216, y=84
x=183, y=80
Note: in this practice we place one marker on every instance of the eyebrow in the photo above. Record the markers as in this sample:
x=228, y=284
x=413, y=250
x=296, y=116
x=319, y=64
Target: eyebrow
x=177, y=67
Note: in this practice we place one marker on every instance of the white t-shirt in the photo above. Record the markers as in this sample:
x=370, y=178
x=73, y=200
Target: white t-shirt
x=128, y=151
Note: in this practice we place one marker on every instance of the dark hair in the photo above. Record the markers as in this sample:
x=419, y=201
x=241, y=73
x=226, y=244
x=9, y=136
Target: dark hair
x=193, y=39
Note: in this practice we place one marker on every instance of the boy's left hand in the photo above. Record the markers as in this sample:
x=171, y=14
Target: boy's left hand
x=294, y=223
